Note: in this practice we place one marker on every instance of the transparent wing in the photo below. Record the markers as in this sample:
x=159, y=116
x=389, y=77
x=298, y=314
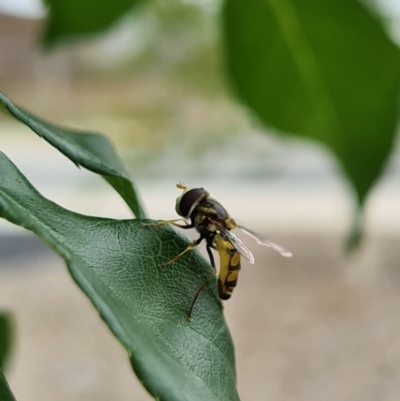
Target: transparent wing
x=260, y=239
x=237, y=243
x=239, y=246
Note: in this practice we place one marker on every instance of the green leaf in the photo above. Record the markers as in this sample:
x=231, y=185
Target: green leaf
x=73, y=19
x=115, y=262
x=325, y=70
x=90, y=150
x=5, y=392
x=5, y=339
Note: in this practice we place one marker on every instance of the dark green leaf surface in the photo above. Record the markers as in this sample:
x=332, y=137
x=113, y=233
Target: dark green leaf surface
x=90, y=150
x=5, y=339
x=74, y=19
x=115, y=263
x=319, y=69
x=5, y=392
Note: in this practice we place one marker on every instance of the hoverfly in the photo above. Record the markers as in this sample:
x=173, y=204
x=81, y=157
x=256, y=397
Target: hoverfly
x=214, y=225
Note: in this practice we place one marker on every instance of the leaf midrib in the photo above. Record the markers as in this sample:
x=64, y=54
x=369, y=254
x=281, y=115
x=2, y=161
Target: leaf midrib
x=310, y=71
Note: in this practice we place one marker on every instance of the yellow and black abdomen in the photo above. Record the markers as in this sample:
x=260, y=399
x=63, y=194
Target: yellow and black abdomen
x=229, y=266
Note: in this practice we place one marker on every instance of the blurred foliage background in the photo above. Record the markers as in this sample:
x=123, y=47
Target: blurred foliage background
x=170, y=70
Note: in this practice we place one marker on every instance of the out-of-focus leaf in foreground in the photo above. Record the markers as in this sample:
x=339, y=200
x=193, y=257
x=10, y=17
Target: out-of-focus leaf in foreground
x=319, y=69
x=74, y=19
x=5, y=339
x=92, y=151
x=5, y=392
x=115, y=262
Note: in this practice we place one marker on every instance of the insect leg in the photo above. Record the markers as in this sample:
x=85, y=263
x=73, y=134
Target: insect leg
x=188, y=248
x=208, y=281
x=172, y=222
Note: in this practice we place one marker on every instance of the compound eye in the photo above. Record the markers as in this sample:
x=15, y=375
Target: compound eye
x=188, y=201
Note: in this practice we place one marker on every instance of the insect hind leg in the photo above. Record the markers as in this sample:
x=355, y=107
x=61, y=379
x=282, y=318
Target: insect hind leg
x=205, y=284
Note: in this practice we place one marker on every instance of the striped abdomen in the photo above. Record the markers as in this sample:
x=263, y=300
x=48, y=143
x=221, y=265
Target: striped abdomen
x=229, y=267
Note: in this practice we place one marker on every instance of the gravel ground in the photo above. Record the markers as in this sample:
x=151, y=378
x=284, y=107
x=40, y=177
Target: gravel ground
x=316, y=327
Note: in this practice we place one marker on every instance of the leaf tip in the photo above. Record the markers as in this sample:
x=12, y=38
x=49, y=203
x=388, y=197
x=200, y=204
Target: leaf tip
x=354, y=239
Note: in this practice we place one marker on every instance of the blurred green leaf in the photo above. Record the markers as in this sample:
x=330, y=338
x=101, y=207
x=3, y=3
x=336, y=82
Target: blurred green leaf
x=74, y=19
x=5, y=392
x=92, y=151
x=115, y=262
x=5, y=339
x=319, y=69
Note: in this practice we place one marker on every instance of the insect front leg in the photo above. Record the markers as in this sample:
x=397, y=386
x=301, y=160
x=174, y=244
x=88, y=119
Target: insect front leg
x=172, y=222
x=188, y=248
x=208, y=281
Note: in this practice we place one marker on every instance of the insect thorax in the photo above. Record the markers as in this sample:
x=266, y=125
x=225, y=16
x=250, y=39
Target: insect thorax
x=208, y=214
